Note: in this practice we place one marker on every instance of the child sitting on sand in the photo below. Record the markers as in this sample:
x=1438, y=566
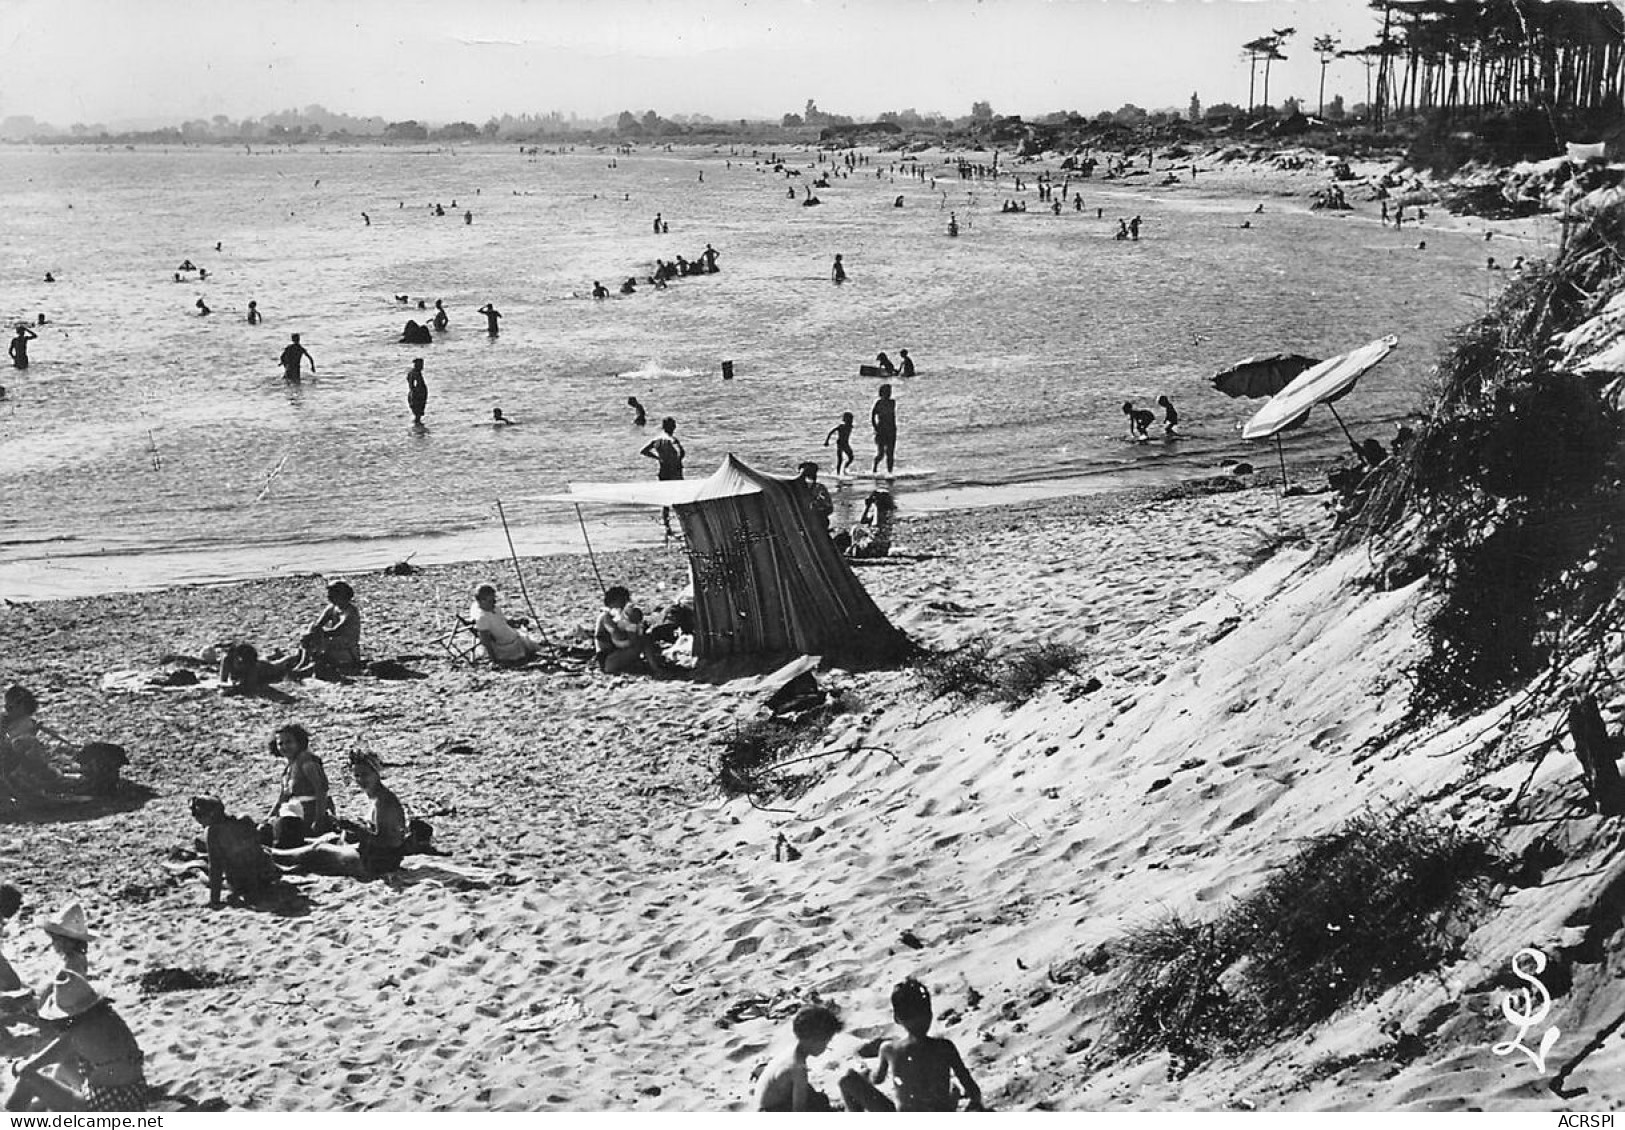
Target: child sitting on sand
x=235, y=854
x=784, y=1085
x=93, y=1037
x=920, y=1064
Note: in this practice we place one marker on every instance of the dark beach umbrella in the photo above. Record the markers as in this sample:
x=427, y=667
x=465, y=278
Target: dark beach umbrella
x=1262, y=376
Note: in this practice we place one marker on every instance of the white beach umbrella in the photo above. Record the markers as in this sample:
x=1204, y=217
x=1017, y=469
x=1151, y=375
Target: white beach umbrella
x=1330, y=380
x=1326, y=382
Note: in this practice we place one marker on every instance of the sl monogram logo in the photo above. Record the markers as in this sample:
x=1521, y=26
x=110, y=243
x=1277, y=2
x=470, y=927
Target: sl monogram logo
x=1519, y=1008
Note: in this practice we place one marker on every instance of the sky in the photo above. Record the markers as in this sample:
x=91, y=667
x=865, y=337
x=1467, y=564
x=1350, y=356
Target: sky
x=164, y=61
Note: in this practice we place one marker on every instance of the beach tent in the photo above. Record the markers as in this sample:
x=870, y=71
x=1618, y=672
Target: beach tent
x=768, y=581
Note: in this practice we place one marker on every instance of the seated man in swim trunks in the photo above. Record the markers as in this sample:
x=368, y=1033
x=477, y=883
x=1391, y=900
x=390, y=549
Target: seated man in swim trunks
x=501, y=637
x=366, y=849
x=236, y=856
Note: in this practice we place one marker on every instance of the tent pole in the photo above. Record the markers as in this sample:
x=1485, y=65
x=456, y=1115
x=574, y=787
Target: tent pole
x=535, y=619
x=1333, y=408
x=588, y=541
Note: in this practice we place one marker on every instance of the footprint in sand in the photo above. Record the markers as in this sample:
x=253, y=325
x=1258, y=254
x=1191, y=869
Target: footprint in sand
x=744, y=947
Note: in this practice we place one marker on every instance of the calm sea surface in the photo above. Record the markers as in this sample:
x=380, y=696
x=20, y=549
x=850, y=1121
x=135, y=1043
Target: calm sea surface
x=148, y=445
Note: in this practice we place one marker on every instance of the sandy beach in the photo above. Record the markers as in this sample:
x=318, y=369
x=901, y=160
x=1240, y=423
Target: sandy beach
x=607, y=931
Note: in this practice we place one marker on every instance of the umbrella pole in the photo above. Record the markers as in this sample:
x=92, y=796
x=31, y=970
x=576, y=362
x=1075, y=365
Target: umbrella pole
x=1333, y=408
x=520, y=573
x=590, y=556
x=1282, y=456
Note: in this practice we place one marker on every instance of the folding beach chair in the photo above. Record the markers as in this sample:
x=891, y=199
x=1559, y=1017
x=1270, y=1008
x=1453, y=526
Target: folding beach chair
x=461, y=643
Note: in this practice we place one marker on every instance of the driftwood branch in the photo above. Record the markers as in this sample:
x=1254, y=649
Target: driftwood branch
x=1597, y=752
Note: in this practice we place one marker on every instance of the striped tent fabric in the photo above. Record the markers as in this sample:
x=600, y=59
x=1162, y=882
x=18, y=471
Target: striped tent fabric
x=768, y=581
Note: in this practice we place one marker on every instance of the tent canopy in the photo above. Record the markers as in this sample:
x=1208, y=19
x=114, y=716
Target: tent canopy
x=731, y=479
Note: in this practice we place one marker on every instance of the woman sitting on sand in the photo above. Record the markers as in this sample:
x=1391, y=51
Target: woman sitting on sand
x=619, y=638
x=26, y=772
x=366, y=848
x=303, y=807
x=332, y=645
x=95, y=1041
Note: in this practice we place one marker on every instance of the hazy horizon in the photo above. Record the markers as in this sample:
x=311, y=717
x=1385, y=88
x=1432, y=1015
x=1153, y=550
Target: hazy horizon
x=166, y=61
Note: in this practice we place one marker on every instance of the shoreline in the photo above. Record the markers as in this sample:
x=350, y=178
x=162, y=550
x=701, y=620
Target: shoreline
x=95, y=574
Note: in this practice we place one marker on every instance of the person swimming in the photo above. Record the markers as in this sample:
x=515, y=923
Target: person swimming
x=498, y=420
x=491, y=315
x=906, y=369
x=640, y=417
x=887, y=369
x=599, y=290
x=837, y=271
x=253, y=312
x=441, y=320
x=202, y=309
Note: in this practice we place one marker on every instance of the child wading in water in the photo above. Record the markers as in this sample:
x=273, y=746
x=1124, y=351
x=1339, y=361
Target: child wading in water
x=922, y=1066
x=842, y=435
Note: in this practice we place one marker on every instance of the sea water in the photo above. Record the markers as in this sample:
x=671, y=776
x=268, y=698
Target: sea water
x=149, y=445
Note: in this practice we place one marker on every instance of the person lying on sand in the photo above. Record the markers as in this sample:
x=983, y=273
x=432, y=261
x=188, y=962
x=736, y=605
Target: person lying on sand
x=620, y=640
x=367, y=848
x=91, y=1036
x=332, y=645
x=920, y=1064
x=303, y=807
x=235, y=854
x=784, y=1085
x=243, y=672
